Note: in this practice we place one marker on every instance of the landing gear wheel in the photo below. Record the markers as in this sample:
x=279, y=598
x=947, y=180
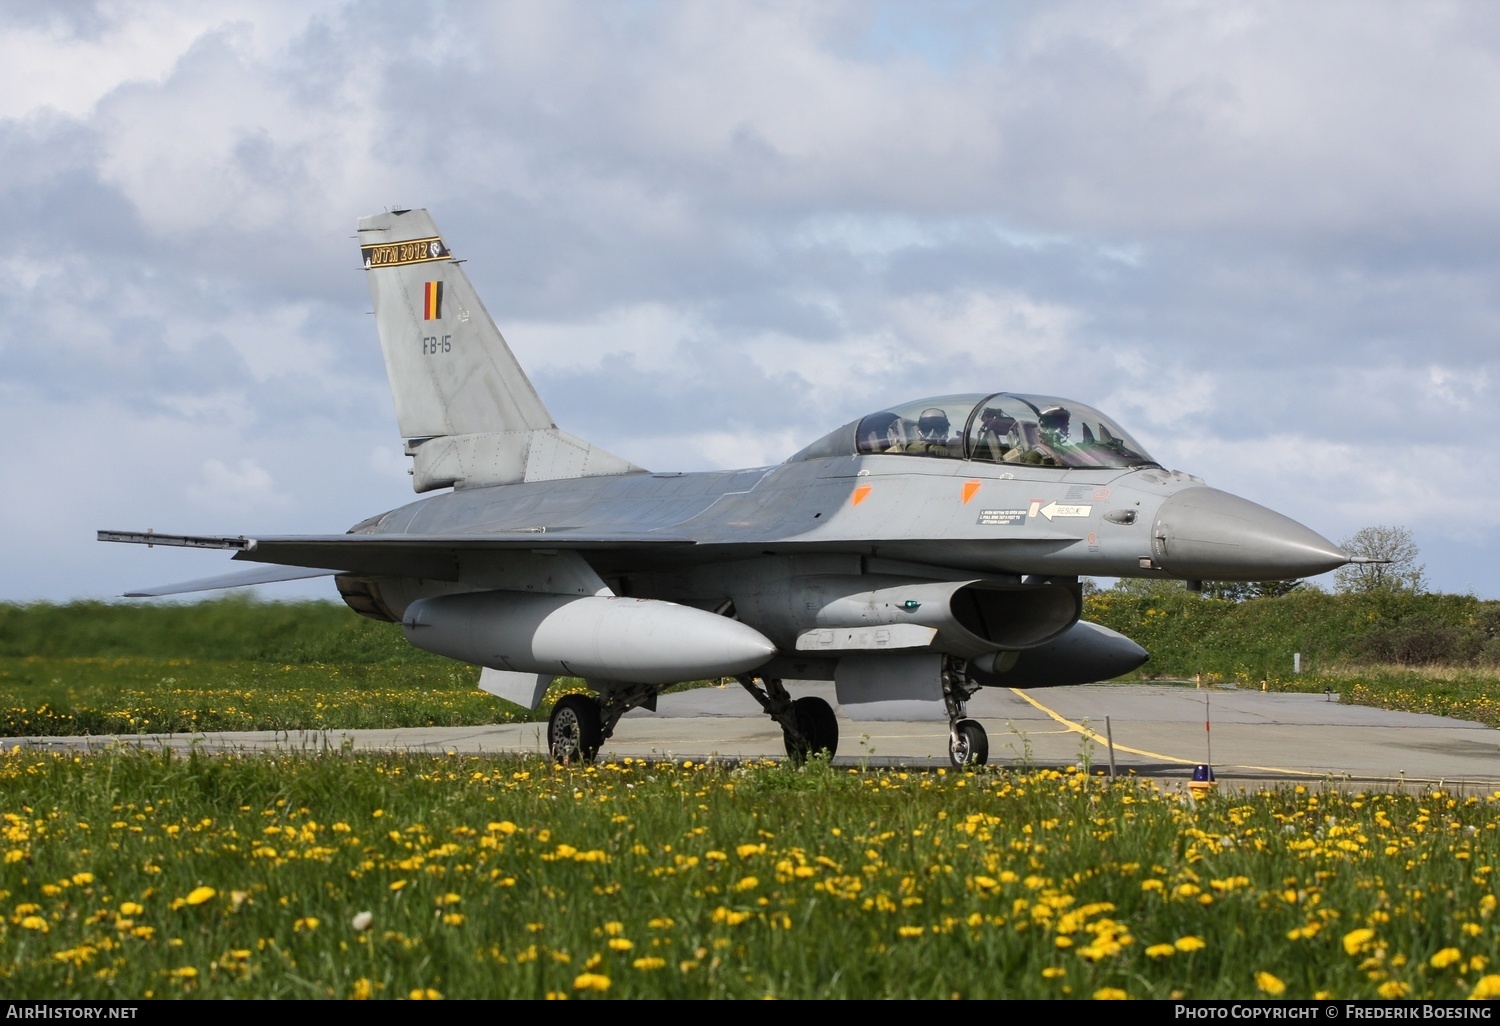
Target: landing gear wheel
x=818, y=726
x=968, y=745
x=574, y=733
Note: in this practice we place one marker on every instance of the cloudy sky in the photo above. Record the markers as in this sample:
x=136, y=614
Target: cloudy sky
x=1262, y=236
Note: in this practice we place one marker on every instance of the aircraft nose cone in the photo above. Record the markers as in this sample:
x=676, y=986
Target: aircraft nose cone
x=1206, y=534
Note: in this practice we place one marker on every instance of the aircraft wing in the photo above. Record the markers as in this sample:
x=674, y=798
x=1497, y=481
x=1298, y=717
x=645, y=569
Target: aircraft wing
x=433, y=556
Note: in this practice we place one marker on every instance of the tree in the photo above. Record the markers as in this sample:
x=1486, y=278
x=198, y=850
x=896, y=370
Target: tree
x=1239, y=591
x=1148, y=587
x=1395, y=566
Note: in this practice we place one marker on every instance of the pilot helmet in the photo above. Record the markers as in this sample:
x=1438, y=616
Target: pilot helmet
x=932, y=425
x=1053, y=418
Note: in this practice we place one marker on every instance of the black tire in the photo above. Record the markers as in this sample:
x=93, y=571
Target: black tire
x=819, y=728
x=574, y=733
x=971, y=747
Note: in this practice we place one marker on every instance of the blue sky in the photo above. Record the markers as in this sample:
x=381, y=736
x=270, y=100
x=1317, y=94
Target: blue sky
x=1260, y=235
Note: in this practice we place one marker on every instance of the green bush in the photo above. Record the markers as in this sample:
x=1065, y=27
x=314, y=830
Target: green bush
x=1187, y=634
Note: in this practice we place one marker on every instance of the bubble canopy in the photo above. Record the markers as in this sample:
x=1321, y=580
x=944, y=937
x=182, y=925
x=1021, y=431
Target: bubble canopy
x=1001, y=427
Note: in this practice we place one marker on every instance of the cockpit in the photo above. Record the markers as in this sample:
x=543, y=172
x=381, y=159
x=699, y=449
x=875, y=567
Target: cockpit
x=1002, y=427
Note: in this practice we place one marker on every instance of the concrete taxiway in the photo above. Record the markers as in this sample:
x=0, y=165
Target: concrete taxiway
x=1158, y=731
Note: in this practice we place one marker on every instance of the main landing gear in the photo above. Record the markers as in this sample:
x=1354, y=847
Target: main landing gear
x=574, y=730
x=808, y=725
x=968, y=744
x=580, y=724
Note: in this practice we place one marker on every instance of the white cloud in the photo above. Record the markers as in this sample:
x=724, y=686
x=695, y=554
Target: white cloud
x=244, y=487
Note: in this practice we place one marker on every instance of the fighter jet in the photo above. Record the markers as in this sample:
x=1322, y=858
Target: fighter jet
x=911, y=556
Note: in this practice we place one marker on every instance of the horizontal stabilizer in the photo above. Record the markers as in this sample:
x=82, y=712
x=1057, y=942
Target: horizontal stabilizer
x=188, y=541
x=238, y=579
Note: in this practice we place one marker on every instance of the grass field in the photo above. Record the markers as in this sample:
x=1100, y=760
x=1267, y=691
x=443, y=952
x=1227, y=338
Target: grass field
x=230, y=664
x=235, y=664
x=140, y=694
x=134, y=875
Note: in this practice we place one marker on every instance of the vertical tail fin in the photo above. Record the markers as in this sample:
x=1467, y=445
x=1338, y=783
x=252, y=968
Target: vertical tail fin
x=468, y=413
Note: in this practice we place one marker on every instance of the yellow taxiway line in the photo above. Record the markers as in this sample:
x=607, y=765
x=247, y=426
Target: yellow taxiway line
x=1097, y=738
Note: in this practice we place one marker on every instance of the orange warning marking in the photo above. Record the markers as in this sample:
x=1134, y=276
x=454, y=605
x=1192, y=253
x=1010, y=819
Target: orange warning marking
x=860, y=493
x=970, y=487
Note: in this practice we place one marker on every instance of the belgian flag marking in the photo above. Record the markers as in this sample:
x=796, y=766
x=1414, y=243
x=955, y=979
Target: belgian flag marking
x=432, y=301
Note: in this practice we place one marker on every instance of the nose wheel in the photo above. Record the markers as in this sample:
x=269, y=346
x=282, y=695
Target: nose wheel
x=968, y=744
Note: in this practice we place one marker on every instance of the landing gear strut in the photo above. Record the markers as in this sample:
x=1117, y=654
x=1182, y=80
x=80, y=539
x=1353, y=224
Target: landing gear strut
x=968, y=744
x=580, y=724
x=808, y=724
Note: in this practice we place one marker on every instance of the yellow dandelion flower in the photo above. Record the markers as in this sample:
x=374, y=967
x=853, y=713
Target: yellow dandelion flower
x=1269, y=984
x=453, y=918
x=1355, y=940
x=649, y=964
x=305, y=923
x=198, y=895
x=910, y=931
x=1110, y=994
x=1443, y=959
x=1190, y=944
x=398, y=884
x=1052, y=972
x=620, y=944
x=591, y=981
x=82, y=879
x=363, y=990
x=34, y=923
x=1487, y=989
x=749, y=883
x=1160, y=951
x=130, y=908
x=425, y=994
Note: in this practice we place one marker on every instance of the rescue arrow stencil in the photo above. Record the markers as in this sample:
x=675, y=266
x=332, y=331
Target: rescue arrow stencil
x=1052, y=509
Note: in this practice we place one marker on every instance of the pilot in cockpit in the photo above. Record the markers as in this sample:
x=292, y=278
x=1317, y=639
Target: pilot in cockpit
x=1054, y=424
x=1042, y=443
x=932, y=434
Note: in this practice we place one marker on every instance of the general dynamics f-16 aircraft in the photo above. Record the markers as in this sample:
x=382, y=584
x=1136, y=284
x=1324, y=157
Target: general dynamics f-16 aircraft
x=911, y=556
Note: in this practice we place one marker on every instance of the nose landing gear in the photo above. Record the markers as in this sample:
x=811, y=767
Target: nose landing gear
x=968, y=744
